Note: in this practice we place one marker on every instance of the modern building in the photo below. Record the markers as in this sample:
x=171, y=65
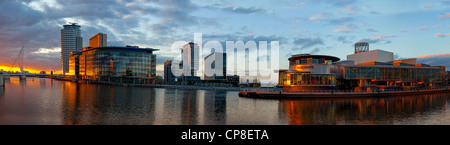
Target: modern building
x=129, y=64
x=215, y=66
x=190, y=55
x=71, y=40
x=98, y=40
x=363, y=54
x=169, y=78
x=365, y=71
x=74, y=64
x=308, y=72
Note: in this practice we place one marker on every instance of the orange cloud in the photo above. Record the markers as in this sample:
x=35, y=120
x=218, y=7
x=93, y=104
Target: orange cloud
x=429, y=56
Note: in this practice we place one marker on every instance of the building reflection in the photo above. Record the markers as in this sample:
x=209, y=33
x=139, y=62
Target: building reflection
x=189, y=109
x=102, y=104
x=215, y=105
x=361, y=111
x=2, y=92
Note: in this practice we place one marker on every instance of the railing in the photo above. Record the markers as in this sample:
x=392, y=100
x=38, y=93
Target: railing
x=343, y=91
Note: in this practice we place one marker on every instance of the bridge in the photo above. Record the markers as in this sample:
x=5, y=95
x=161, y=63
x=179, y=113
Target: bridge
x=23, y=74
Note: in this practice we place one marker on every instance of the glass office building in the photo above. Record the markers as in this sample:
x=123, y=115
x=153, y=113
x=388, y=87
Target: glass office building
x=129, y=64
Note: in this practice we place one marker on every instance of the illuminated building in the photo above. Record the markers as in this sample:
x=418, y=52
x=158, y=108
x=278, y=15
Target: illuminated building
x=74, y=67
x=98, y=40
x=129, y=64
x=308, y=72
x=364, y=71
x=71, y=40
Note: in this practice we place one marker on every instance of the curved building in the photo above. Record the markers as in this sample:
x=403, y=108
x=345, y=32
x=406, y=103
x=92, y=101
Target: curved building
x=308, y=72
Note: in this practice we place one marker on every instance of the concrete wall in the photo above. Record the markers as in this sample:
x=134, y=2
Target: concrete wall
x=374, y=55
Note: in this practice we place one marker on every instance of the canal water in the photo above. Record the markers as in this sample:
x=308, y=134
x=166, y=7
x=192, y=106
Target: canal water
x=46, y=101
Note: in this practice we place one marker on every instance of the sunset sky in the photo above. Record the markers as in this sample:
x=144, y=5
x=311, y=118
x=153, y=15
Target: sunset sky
x=413, y=28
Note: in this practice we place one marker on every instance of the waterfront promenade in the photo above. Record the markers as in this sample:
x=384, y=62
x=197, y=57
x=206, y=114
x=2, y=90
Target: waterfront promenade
x=274, y=94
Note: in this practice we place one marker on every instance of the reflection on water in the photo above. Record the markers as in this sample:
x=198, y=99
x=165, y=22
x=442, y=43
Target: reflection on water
x=45, y=101
x=425, y=109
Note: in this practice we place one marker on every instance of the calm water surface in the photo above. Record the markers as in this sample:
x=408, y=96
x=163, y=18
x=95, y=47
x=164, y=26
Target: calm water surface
x=45, y=101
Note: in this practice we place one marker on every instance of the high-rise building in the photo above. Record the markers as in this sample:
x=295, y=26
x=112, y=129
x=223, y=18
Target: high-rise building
x=215, y=66
x=71, y=40
x=169, y=78
x=190, y=58
x=98, y=40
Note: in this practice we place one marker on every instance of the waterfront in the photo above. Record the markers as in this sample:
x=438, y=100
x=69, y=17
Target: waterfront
x=46, y=101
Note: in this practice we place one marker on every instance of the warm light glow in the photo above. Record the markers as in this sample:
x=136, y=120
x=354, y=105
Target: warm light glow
x=36, y=71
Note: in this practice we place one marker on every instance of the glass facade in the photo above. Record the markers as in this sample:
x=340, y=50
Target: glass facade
x=287, y=79
x=128, y=62
x=403, y=74
x=309, y=70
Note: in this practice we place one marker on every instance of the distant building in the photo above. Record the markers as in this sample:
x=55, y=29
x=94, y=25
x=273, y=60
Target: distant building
x=129, y=64
x=215, y=64
x=98, y=40
x=71, y=40
x=169, y=78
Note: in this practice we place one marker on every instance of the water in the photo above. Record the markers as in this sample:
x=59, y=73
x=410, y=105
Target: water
x=46, y=101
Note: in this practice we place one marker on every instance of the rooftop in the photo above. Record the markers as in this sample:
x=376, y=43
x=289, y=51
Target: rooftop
x=300, y=56
x=120, y=47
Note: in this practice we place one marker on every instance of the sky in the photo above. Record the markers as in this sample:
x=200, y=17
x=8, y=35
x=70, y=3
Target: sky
x=413, y=29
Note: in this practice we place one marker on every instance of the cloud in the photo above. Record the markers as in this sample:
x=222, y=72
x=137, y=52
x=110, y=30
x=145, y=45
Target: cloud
x=423, y=28
x=371, y=30
x=339, y=3
x=344, y=39
x=345, y=28
x=375, y=13
x=435, y=60
x=320, y=17
x=446, y=2
x=47, y=50
x=377, y=39
x=242, y=10
x=341, y=21
x=305, y=43
x=440, y=35
x=351, y=10
x=429, y=5
x=444, y=16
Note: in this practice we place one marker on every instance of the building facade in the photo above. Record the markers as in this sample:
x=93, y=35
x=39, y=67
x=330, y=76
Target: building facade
x=98, y=40
x=190, y=59
x=365, y=71
x=74, y=64
x=71, y=40
x=308, y=72
x=215, y=66
x=370, y=56
x=129, y=64
x=169, y=78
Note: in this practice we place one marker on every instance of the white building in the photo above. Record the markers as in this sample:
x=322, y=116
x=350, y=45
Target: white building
x=215, y=66
x=190, y=59
x=71, y=40
x=370, y=56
